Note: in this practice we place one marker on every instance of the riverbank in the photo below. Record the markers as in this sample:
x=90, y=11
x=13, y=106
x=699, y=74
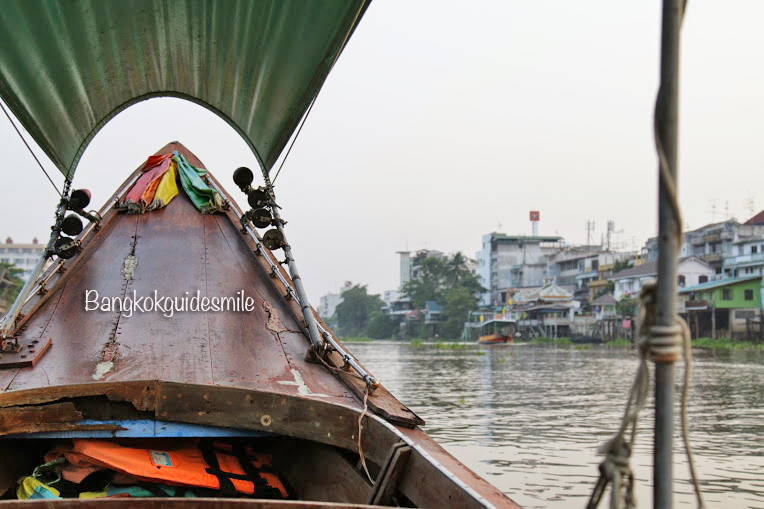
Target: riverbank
x=705, y=343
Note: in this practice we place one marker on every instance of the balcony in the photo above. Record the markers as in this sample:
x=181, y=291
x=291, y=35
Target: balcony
x=712, y=258
x=746, y=259
x=695, y=305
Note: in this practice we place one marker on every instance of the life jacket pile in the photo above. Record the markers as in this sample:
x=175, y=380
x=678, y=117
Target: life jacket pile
x=165, y=469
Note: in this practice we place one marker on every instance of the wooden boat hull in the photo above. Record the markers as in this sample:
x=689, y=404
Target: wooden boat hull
x=245, y=372
x=495, y=339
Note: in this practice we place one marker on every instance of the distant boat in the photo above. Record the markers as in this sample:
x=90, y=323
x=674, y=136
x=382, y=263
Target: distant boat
x=498, y=331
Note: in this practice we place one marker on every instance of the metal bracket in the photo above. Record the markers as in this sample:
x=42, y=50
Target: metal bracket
x=29, y=352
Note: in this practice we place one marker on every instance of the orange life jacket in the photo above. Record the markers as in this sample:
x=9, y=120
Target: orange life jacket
x=220, y=466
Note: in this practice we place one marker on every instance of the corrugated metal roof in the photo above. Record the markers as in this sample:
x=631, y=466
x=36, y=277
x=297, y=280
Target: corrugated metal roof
x=718, y=283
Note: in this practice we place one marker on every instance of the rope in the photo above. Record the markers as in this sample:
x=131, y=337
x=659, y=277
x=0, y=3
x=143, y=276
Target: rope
x=687, y=339
x=360, y=417
x=653, y=342
x=360, y=430
x=29, y=148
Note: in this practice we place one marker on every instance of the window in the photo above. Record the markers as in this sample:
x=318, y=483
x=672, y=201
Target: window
x=754, y=249
x=681, y=281
x=727, y=294
x=744, y=313
x=749, y=295
x=703, y=279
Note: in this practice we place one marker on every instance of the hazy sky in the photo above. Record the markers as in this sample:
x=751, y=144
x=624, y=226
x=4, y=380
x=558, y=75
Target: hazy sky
x=443, y=121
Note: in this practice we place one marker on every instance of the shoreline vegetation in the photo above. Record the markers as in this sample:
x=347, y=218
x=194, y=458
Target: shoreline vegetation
x=451, y=344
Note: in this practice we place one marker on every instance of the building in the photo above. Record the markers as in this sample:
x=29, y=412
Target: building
x=515, y=261
x=329, y=302
x=606, y=268
x=691, y=271
x=396, y=305
x=23, y=256
x=724, y=308
x=747, y=258
x=712, y=243
x=409, y=267
x=433, y=317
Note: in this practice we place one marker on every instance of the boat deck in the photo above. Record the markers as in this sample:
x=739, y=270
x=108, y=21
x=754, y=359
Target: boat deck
x=179, y=252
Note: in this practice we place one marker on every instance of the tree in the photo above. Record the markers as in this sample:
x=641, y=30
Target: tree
x=428, y=284
x=354, y=311
x=10, y=283
x=380, y=326
x=448, y=282
x=459, y=301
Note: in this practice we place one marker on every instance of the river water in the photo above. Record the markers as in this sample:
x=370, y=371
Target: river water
x=530, y=418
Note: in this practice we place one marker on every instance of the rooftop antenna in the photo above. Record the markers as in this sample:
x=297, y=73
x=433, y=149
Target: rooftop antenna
x=749, y=206
x=726, y=210
x=589, y=232
x=713, y=211
x=610, y=231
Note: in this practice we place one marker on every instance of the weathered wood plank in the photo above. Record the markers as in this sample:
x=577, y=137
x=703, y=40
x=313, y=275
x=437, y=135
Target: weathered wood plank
x=381, y=401
x=245, y=353
x=301, y=417
x=37, y=418
x=321, y=473
x=423, y=483
x=81, y=337
x=387, y=480
x=280, y=344
x=141, y=394
x=170, y=264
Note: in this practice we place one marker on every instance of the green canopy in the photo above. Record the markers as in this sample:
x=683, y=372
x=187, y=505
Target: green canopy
x=68, y=67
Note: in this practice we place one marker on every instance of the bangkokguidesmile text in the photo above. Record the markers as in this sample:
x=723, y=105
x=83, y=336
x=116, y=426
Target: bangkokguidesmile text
x=167, y=306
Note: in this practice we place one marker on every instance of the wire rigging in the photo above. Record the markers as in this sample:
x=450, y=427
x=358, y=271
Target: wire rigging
x=29, y=148
x=305, y=117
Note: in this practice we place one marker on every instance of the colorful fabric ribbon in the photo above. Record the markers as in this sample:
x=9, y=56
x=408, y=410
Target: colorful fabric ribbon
x=157, y=186
x=141, y=196
x=205, y=199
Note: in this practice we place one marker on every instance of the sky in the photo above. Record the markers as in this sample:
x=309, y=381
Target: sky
x=443, y=121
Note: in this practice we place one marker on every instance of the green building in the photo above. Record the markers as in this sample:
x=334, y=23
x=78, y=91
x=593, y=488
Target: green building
x=724, y=308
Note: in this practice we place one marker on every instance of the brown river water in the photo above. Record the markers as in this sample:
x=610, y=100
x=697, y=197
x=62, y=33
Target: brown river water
x=530, y=418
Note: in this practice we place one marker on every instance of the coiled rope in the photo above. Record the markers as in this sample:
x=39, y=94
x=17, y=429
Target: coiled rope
x=653, y=342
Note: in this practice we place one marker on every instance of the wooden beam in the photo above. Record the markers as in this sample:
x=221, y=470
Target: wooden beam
x=387, y=480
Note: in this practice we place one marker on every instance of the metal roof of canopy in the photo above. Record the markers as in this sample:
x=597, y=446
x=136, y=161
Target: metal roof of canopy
x=68, y=67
